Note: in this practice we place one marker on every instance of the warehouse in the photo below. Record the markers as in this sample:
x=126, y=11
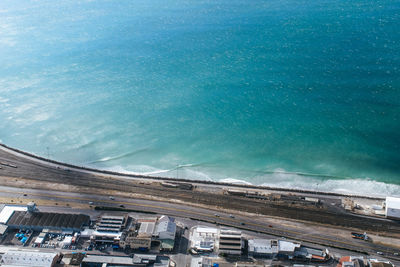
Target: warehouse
x=38, y=221
x=29, y=258
x=392, y=210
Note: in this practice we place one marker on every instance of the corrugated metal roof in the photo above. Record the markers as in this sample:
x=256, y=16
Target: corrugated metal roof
x=48, y=220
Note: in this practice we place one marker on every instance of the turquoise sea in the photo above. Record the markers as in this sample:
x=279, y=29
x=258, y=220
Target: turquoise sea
x=302, y=94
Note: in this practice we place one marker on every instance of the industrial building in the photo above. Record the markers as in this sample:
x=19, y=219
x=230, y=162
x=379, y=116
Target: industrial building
x=29, y=258
x=113, y=224
x=392, y=208
x=263, y=248
x=8, y=210
x=38, y=221
x=310, y=254
x=358, y=261
x=139, y=235
x=29, y=217
x=230, y=242
x=165, y=232
x=286, y=249
x=203, y=239
x=138, y=260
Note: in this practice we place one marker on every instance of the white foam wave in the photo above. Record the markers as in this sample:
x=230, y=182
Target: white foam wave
x=234, y=181
x=277, y=179
x=356, y=186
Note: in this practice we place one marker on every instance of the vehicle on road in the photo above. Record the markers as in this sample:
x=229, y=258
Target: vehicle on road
x=231, y=216
x=216, y=215
x=90, y=202
x=242, y=223
x=111, y=197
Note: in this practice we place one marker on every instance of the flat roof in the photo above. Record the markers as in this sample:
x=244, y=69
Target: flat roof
x=206, y=230
x=147, y=228
x=393, y=202
x=262, y=246
x=287, y=246
x=108, y=259
x=8, y=211
x=28, y=258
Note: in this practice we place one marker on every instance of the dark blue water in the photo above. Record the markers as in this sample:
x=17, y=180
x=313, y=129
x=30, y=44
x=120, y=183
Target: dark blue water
x=285, y=93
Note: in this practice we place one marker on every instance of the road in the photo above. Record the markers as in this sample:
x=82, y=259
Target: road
x=259, y=225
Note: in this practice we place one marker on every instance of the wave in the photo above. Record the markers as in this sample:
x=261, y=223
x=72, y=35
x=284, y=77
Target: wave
x=234, y=181
x=357, y=186
x=277, y=179
x=125, y=155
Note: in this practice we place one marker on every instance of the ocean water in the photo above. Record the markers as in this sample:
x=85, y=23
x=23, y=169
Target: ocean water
x=302, y=94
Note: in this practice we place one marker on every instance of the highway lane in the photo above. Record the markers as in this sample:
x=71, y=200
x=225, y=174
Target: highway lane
x=202, y=214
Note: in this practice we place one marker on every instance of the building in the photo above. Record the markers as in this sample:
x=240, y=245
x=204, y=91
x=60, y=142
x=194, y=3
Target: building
x=8, y=211
x=203, y=239
x=138, y=260
x=30, y=218
x=3, y=230
x=139, y=235
x=112, y=224
x=357, y=261
x=230, y=242
x=263, y=248
x=29, y=258
x=165, y=232
x=311, y=254
x=392, y=208
x=104, y=237
x=380, y=263
x=286, y=249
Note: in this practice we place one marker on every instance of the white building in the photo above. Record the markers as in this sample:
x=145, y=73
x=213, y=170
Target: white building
x=263, y=247
x=392, y=210
x=166, y=228
x=29, y=258
x=287, y=248
x=165, y=232
x=8, y=211
x=203, y=238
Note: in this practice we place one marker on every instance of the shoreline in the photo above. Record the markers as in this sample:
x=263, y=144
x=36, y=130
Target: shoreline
x=179, y=180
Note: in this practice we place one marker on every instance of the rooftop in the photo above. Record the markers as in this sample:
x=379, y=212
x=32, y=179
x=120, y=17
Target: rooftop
x=286, y=246
x=393, y=202
x=266, y=246
x=7, y=211
x=28, y=258
x=48, y=220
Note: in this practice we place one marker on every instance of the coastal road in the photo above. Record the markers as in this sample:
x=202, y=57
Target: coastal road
x=42, y=173
x=259, y=224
